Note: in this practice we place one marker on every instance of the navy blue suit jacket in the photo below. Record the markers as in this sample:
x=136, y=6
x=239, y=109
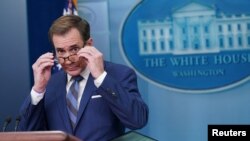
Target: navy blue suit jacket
x=99, y=119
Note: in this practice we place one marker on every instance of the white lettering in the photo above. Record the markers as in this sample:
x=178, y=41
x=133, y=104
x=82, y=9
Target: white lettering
x=216, y=132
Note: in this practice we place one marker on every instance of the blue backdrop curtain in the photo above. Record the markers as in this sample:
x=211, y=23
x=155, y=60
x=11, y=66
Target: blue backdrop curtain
x=41, y=14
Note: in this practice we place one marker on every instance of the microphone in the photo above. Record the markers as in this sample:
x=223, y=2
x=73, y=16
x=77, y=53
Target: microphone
x=6, y=123
x=18, y=118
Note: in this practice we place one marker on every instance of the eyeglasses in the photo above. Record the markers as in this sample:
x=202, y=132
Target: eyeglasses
x=72, y=57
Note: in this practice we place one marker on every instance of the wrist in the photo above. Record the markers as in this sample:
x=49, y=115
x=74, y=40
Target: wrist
x=38, y=90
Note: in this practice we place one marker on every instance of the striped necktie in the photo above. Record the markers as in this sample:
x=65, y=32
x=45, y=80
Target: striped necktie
x=72, y=98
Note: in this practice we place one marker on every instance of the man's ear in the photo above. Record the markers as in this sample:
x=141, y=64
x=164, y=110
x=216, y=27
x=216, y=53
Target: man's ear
x=90, y=42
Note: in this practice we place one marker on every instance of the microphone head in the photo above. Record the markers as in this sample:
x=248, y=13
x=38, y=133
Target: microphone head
x=8, y=119
x=18, y=118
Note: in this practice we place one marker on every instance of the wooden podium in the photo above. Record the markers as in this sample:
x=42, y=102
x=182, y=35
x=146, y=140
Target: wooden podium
x=37, y=136
x=133, y=136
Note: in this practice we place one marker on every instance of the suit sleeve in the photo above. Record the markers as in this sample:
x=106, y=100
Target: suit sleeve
x=120, y=91
x=32, y=116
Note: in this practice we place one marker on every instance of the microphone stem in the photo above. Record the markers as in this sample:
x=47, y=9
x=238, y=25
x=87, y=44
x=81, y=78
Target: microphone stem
x=18, y=118
x=6, y=122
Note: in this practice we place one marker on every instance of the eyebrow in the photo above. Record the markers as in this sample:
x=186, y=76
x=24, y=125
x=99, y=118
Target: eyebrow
x=70, y=47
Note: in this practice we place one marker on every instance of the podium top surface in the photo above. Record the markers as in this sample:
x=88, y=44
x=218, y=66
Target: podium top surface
x=133, y=136
x=37, y=136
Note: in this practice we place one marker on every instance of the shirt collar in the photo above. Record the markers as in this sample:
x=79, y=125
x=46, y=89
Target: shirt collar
x=85, y=74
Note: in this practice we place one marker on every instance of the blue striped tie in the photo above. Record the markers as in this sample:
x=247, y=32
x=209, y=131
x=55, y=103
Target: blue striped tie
x=72, y=98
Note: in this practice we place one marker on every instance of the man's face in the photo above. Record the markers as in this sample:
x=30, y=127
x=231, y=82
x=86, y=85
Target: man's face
x=66, y=47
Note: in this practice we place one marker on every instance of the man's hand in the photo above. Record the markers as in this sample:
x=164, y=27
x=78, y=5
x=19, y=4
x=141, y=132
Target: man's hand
x=94, y=60
x=42, y=71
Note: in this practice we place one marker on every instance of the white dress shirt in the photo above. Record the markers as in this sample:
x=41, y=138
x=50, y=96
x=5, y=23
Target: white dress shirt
x=37, y=97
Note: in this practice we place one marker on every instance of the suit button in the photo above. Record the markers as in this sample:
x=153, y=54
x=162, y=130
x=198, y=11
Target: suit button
x=111, y=92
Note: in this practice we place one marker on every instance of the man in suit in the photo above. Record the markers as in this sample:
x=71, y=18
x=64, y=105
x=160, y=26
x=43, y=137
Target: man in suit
x=108, y=100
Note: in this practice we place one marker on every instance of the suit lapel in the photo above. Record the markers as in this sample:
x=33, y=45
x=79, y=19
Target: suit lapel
x=89, y=89
x=62, y=105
